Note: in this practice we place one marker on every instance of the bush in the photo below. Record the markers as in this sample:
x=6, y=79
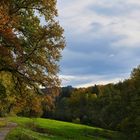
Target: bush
x=20, y=136
x=77, y=121
x=131, y=127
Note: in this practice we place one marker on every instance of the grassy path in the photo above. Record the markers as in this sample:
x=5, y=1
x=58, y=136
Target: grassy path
x=4, y=130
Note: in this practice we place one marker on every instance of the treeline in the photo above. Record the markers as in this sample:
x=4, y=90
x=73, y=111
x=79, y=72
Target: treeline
x=111, y=106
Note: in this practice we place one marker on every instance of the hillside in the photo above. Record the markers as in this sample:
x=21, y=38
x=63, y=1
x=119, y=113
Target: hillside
x=46, y=129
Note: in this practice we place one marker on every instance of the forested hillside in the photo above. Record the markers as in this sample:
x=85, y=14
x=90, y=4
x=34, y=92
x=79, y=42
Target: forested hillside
x=111, y=106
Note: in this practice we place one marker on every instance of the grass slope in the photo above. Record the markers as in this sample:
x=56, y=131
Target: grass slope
x=46, y=129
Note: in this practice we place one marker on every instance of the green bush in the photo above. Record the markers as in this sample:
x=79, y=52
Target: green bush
x=19, y=135
x=77, y=121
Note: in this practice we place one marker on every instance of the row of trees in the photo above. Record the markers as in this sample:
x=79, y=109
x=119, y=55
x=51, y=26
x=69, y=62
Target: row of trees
x=111, y=106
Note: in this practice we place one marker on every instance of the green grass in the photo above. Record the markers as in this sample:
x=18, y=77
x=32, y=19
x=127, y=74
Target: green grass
x=46, y=129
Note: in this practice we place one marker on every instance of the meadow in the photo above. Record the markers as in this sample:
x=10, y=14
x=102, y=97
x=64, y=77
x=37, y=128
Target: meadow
x=46, y=129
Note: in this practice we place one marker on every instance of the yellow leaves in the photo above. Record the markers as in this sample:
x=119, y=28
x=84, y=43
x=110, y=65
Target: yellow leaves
x=9, y=96
x=28, y=50
x=36, y=104
x=93, y=95
x=44, y=2
x=6, y=78
x=22, y=35
x=8, y=83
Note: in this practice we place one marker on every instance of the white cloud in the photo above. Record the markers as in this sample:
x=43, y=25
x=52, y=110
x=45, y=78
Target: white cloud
x=90, y=80
x=101, y=82
x=116, y=21
x=133, y=2
x=78, y=19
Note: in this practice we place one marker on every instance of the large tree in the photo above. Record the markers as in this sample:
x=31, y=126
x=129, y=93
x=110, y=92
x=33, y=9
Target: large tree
x=31, y=41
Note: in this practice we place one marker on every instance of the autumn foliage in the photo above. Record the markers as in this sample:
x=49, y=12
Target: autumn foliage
x=31, y=41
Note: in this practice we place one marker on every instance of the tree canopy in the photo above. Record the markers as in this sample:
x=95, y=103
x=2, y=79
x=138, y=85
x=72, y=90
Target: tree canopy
x=31, y=41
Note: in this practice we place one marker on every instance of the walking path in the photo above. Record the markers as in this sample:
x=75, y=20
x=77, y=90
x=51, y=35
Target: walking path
x=5, y=130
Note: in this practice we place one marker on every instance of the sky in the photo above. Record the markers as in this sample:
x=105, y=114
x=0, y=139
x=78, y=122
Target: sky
x=102, y=40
